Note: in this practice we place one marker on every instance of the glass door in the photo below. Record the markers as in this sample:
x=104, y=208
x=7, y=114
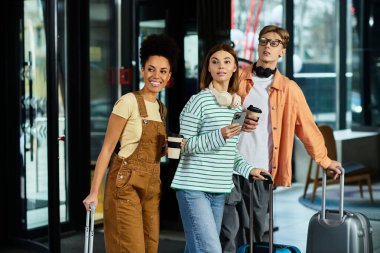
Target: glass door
x=34, y=144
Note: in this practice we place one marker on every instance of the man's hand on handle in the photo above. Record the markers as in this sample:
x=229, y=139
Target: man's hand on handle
x=334, y=168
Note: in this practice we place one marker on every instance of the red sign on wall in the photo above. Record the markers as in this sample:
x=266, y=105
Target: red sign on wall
x=125, y=76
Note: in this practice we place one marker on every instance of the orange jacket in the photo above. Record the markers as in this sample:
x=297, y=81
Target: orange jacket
x=290, y=114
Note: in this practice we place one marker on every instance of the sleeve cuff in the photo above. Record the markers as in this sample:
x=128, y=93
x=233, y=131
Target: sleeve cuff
x=245, y=171
x=220, y=137
x=325, y=163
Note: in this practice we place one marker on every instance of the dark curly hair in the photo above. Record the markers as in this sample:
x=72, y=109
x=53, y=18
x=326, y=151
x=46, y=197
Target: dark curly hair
x=161, y=45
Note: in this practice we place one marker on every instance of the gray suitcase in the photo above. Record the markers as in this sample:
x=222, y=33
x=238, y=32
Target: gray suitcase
x=89, y=230
x=338, y=231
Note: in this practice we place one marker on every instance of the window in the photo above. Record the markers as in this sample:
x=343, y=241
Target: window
x=316, y=46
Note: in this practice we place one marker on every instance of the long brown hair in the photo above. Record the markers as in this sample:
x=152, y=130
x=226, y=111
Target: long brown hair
x=206, y=77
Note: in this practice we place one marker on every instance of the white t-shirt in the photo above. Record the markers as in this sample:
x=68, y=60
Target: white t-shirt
x=256, y=146
x=127, y=108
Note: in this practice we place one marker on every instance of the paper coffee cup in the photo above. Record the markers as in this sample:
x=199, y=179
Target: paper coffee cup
x=253, y=113
x=174, y=146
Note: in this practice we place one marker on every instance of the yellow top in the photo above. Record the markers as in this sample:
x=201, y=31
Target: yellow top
x=127, y=108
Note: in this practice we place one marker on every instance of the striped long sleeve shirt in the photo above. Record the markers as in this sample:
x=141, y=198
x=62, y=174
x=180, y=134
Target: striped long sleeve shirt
x=208, y=160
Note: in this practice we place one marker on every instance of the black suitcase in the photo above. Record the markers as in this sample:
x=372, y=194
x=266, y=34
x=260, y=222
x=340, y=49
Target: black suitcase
x=338, y=231
x=89, y=230
x=264, y=247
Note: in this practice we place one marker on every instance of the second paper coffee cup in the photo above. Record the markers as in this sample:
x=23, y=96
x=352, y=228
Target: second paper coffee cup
x=174, y=146
x=253, y=113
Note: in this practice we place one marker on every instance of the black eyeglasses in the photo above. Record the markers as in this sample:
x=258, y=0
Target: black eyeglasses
x=272, y=43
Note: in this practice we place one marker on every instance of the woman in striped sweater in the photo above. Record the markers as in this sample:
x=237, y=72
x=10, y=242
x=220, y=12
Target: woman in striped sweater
x=204, y=173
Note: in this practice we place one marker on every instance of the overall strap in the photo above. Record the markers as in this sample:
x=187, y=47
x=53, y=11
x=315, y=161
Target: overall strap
x=141, y=104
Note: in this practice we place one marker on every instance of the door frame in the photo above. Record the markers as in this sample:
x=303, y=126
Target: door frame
x=78, y=162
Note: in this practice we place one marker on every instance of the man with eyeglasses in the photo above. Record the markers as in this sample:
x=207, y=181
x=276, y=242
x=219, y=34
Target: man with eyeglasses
x=268, y=143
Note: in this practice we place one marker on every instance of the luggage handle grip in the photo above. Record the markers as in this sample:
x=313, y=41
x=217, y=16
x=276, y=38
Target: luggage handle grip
x=268, y=178
x=341, y=195
x=89, y=230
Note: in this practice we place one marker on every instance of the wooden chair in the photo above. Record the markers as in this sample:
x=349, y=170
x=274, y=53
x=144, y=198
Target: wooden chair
x=354, y=172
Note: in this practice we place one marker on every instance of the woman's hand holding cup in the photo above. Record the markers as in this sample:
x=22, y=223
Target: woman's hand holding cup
x=175, y=145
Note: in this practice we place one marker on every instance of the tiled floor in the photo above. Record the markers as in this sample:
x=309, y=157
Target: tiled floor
x=290, y=217
x=293, y=218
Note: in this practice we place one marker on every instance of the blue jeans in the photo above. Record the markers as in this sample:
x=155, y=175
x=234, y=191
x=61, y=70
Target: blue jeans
x=201, y=215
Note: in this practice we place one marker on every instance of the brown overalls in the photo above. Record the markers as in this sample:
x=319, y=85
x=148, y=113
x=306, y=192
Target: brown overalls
x=133, y=191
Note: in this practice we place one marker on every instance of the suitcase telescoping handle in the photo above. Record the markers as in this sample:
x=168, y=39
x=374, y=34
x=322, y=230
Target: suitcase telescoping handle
x=269, y=181
x=341, y=195
x=89, y=230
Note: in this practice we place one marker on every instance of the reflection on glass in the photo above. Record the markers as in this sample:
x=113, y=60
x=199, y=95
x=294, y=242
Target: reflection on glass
x=315, y=37
x=191, y=56
x=104, y=86
x=34, y=122
x=355, y=103
x=315, y=45
x=248, y=18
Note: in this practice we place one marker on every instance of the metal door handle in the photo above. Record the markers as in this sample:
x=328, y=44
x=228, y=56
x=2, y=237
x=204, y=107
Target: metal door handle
x=61, y=138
